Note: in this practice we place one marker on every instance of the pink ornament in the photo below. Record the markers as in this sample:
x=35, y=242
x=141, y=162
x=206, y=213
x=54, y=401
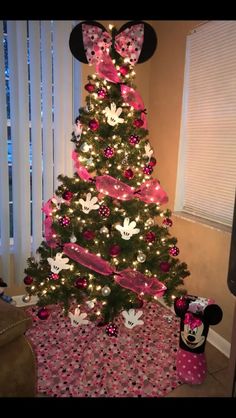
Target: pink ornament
x=112, y=330
x=64, y=221
x=88, y=235
x=167, y=222
x=114, y=250
x=147, y=169
x=129, y=174
x=124, y=69
x=152, y=161
x=28, y=280
x=150, y=237
x=93, y=124
x=108, y=152
x=89, y=87
x=138, y=123
x=102, y=93
x=174, y=251
x=54, y=276
x=134, y=139
x=104, y=211
x=43, y=313
x=81, y=283
x=67, y=195
x=165, y=266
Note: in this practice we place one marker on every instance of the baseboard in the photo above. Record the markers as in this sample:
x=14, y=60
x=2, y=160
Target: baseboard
x=19, y=303
x=213, y=337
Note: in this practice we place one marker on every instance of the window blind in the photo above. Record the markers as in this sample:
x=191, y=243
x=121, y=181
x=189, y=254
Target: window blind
x=207, y=155
x=35, y=131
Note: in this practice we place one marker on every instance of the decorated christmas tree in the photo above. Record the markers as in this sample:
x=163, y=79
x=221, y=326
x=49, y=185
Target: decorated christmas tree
x=107, y=244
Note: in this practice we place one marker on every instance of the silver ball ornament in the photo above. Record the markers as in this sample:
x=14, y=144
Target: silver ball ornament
x=150, y=222
x=84, y=147
x=141, y=257
x=26, y=298
x=104, y=230
x=106, y=291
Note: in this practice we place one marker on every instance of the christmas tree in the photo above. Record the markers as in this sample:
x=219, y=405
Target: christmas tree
x=107, y=243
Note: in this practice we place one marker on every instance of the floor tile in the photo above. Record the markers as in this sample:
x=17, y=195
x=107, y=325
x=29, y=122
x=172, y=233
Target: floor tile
x=215, y=359
x=210, y=388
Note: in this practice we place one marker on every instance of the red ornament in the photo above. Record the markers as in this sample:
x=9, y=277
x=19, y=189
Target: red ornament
x=174, y=251
x=181, y=303
x=134, y=139
x=81, y=283
x=88, y=235
x=89, y=87
x=54, y=276
x=64, y=221
x=114, y=250
x=150, y=237
x=138, y=123
x=112, y=330
x=108, y=152
x=104, y=211
x=124, y=70
x=152, y=161
x=102, y=93
x=147, y=169
x=43, y=314
x=28, y=280
x=167, y=222
x=129, y=174
x=93, y=124
x=67, y=195
x=164, y=266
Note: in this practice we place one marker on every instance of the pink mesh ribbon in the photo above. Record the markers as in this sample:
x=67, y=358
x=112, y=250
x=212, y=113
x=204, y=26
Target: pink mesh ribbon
x=148, y=192
x=138, y=282
x=192, y=320
x=49, y=232
x=132, y=97
x=80, y=169
x=87, y=259
x=106, y=69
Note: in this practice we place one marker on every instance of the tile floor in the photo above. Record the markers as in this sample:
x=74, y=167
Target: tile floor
x=216, y=382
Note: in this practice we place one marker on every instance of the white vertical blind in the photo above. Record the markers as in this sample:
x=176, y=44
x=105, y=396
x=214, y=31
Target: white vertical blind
x=4, y=179
x=47, y=110
x=42, y=78
x=207, y=162
x=36, y=138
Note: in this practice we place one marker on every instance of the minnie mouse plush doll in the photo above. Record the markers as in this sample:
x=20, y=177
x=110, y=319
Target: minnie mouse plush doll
x=196, y=315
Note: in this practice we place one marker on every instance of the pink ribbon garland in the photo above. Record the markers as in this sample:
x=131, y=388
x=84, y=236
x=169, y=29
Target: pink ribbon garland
x=130, y=279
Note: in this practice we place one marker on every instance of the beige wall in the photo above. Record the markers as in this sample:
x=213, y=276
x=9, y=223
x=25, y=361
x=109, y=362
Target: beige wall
x=204, y=249
x=160, y=82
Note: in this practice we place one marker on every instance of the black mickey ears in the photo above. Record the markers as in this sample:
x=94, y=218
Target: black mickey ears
x=78, y=49
x=149, y=42
x=213, y=314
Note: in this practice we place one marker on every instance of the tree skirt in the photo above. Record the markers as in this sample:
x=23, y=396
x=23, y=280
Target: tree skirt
x=84, y=361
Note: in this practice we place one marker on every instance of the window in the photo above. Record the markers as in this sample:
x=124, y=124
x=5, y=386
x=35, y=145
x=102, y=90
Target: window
x=207, y=154
x=36, y=118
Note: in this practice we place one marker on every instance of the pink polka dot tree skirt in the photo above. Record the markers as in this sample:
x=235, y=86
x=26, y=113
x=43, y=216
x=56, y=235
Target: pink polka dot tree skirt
x=84, y=361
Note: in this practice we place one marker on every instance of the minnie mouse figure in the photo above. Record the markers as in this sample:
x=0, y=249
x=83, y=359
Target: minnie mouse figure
x=196, y=314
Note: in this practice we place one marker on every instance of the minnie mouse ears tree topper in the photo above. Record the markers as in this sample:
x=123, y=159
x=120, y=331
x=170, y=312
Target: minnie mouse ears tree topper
x=135, y=41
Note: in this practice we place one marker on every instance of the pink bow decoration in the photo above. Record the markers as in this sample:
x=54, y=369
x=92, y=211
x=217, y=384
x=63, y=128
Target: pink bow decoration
x=138, y=282
x=87, y=259
x=192, y=321
x=149, y=192
x=97, y=43
x=80, y=169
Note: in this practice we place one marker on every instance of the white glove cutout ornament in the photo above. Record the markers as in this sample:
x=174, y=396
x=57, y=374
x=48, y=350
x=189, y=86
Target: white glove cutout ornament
x=113, y=114
x=89, y=204
x=57, y=201
x=78, y=318
x=128, y=229
x=78, y=127
x=132, y=318
x=57, y=264
x=148, y=151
